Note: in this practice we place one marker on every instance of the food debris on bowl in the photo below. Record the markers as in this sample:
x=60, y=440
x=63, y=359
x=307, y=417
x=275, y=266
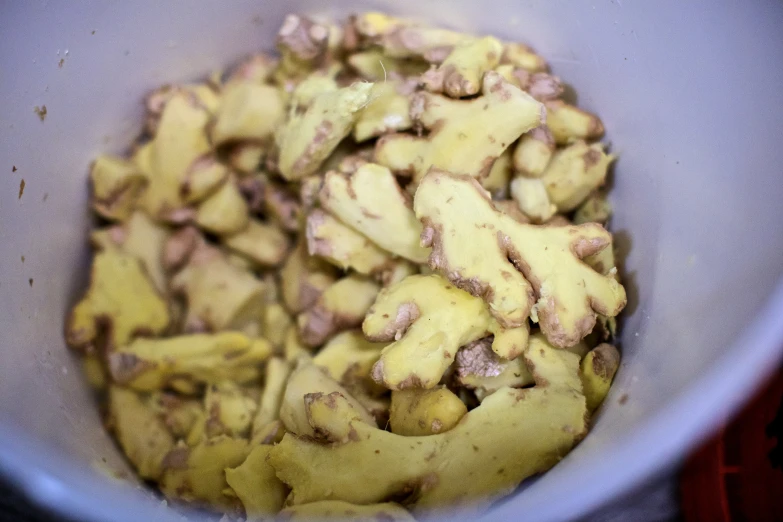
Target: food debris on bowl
x=345, y=278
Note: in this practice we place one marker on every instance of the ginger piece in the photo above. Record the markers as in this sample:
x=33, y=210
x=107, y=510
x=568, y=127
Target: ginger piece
x=257, y=68
x=294, y=349
x=466, y=136
x=568, y=123
x=343, y=247
x=512, y=435
x=117, y=185
x=540, y=85
x=282, y=206
x=597, y=371
x=257, y=486
x=460, y=74
x=177, y=159
x=303, y=44
x=479, y=368
x=574, y=173
x=94, y=371
x=202, y=94
x=371, y=202
x=142, y=238
x=340, y=307
x=416, y=413
x=311, y=86
x=142, y=435
x=248, y=111
x=532, y=198
x=533, y=152
x=304, y=278
x=219, y=294
x=520, y=55
x=230, y=410
x=275, y=379
x=388, y=110
x=196, y=474
x=520, y=265
x=152, y=364
x=338, y=510
x=510, y=208
x=264, y=245
x=305, y=380
x=275, y=323
x=374, y=66
x=307, y=139
x=595, y=209
x=179, y=414
x=120, y=304
x=348, y=357
x=402, y=38
x=225, y=212
x=245, y=158
x=429, y=319
x=496, y=182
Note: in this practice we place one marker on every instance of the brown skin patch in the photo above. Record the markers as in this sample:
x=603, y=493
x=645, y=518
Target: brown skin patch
x=606, y=359
x=176, y=459
x=591, y=158
x=41, y=112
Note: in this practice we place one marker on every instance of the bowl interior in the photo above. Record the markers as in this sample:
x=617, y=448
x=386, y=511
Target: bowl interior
x=689, y=96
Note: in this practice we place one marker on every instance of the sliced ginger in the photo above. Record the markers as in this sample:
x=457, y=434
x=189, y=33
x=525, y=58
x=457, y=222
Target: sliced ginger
x=183, y=361
x=329, y=238
x=257, y=486
x=341, y=306
x=120, y=304
x=466, y=136
x=306, y=140
x=513, y=266
x=416, y=412
x=116, y=186
x=265, y=214
x=460, y=74
x=428, y=319
x=371, y=202
x=513, y=434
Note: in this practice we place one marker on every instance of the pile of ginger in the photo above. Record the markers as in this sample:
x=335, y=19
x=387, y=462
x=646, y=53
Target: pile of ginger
x=368, y=277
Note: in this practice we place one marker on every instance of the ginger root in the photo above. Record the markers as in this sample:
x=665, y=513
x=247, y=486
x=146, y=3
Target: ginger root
x=371, y=202
x=428, y=319
x=117, y=185
x=307, y=139
x=466, y=136
x=574, y=172
x=340, y=307
x=597, y=371
x=120, y=304
x=514, y=266
x=187, y=360
x=460, y=74
x=417, y=412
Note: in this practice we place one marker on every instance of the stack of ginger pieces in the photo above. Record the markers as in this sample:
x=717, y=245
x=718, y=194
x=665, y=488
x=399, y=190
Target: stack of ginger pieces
x=315, y=277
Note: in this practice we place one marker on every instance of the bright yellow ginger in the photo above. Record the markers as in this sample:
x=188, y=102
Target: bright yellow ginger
x=518, y=269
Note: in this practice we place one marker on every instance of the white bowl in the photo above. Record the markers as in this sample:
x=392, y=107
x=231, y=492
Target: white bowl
x=690, y=94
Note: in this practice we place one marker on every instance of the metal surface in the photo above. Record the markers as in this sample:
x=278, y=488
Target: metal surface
x=689, y=93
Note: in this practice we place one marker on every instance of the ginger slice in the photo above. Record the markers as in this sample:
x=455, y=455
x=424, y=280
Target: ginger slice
x=461, y=72
x=466, y=136
x=371, y=202
x=255, y=483
x=514, y=266
x=120, y=304
x=428, y=319
x=117, y=185
x=307, y=139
